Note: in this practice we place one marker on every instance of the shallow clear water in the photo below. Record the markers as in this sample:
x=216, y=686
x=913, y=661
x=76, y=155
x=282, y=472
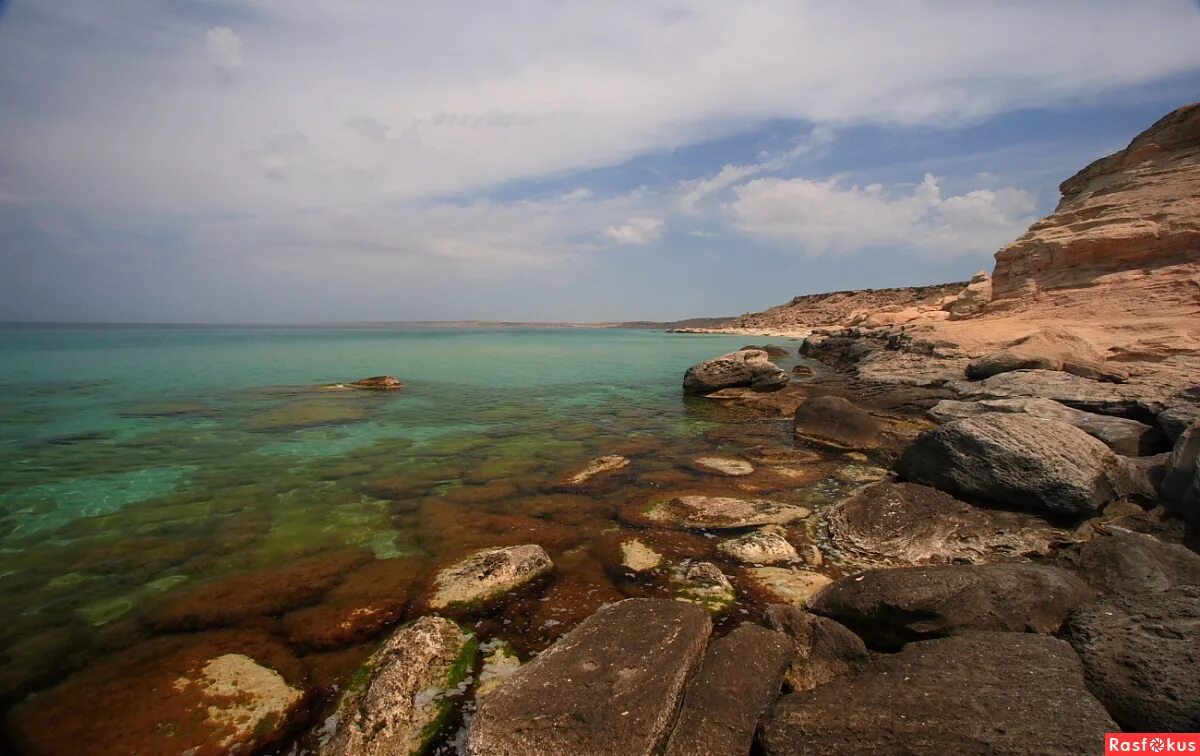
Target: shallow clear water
x=137, y=463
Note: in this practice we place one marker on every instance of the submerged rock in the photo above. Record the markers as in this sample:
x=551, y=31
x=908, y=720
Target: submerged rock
x=488, y=574
x=745, y=368
x=888, y=608
x=638, y=557
x=597, y=466
x=907, y=523
x=397, y=700
x=825, y=650
x=703, y=584
x=1020, y=461
x=984, y=693
x=250, y=703
x=611, y=686
x=759, y=547
x=736, y=683
x=790, y=586
x=835, y=422
x=715, y=512
x=500, y=661
x=723, y=466
x=377, y=383
x=1142, y=653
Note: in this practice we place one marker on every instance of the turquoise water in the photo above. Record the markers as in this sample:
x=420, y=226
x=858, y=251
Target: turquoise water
x=137, y=463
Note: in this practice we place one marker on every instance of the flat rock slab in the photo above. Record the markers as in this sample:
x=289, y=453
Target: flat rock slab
x=825, y=650
x=488, y=574
x=835, y=422
x=715, y=512
x=1132, y=563
x=984, y=693
x=790, y=586
x=1126, y=400
x=907, y=523
x=888, y=608
x=1142, y=656
x=395, y=703
x=728, y=466
x=593, y=468
x=609, y=687
x=738, y=680
x=759, y=547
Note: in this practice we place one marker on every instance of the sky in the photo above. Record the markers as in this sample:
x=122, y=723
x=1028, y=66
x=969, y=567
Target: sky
x=238, y=161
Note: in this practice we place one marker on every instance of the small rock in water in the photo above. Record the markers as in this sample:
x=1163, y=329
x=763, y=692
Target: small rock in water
x=723, y=466
x=638, y=557
x=759, y=547
x=835, y=422
x=787, y=585
x=488, y=574
x=377, y=383
x=716, y=512
x=597, y=466
x=703, y=584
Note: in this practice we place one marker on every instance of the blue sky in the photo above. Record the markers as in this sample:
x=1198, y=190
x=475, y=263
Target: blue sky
x=305, y=161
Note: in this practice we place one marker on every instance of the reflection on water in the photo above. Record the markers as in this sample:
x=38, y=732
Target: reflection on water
x=173, y=491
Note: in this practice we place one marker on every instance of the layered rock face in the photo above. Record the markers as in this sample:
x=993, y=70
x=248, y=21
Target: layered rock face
x=1135, y=213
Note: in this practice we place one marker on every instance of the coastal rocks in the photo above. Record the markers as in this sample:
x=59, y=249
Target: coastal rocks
x=1124, y=436
x=1181, y=410
x=996, y=693
x=1141, y=654
x=888, y=608
x=610, y=686
x=637, y=557
x=971, y=300
x=745, y=368
x=1127, y=562
x=1020, y=461
x=727, y=466
x=772, y=350
x=713, y=512
x=500, y=661
x=597, y=466
x=377, y=383
x=1124, y=400
x=1181, y=484
x=486, y=575
x=738, y=680
x=703, y=584
x=788, y=586
x=1048, y=349
x=251, y=703
x=395, y=703
x=907, y=523
x=825, y=650
x=835, y=422
x=759, y=547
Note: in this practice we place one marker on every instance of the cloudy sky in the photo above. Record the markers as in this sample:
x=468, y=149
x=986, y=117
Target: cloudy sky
x=309, y=160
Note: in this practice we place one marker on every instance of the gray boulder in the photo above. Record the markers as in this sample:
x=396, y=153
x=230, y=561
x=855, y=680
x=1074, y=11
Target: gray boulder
x=737, y=682
x=1020, y=461
x=1142, y=657
x=1125, y=400
x=985, y=693
x=888, y=608
x=1128, y=562
x=1048, y=349
x=1181, y=484
x=744, y=368
x=610, y=686
x=1122, y=435
x=835, y=422
x=825, y=650
x=1179, y=411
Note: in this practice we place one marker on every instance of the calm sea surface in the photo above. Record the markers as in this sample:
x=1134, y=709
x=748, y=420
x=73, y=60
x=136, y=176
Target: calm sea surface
x=137, y=463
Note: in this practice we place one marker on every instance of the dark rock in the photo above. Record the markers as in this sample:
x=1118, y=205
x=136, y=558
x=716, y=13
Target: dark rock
x=1180, y=411
x=738, y=680
x=907, y=523
x=1122, y=400
x=772, y=350
x=836, y=422
x=1181, y=483
x=984, y=693
x=1020, y=461
x=1127, y=562
x=888, y=608
x=610, y=686
x=377, y=383
x=1141, y=654
x=825, y=650
x=744, y=368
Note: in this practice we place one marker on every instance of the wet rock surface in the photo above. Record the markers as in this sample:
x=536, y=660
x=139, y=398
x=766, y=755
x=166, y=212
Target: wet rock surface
x=983, y=693
x=396, y=702
x=888, y=608
x=610, y=686
x=825, y=650
x=1019, y=461
x=715, y=512
x=750, y=368
x=377, y=383
x=703, y=584
x=737, y=681
x=486, y=575
x=835, y=422
x=599, y=466
x=1141, y=653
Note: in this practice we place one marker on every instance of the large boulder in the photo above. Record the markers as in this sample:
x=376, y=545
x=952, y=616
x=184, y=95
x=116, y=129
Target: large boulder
x=1181, y=484
x=612, y=685
x=1179, y=411
x=825, y=650
x=907, y=523
x=1127, y=562
x=398, y=699
x=744, y=368
x=738, y=680
x=888, y=608
x=1122, y=435
x=486, y=575
x=1142, y=655
x=1048, y=349
x=984, y=693
x=1020, y=461
x=835, y=422
x=1124, y=400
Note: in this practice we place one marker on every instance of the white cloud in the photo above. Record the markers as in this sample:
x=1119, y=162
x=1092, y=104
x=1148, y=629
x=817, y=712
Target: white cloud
x=225, y=47
x=822, y=216
x=636, y=231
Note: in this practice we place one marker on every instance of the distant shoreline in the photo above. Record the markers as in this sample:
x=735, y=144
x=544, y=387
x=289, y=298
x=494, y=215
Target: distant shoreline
x=383, y=324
